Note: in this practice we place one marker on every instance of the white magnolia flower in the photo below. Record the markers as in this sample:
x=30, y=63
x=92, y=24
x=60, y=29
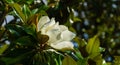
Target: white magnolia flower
x=59, y=35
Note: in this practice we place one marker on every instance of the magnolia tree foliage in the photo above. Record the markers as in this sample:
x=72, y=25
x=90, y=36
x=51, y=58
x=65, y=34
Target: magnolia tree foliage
x=59, y=32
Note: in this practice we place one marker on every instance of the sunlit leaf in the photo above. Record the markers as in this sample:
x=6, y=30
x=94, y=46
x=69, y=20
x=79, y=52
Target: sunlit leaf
x=26, y=11
x=9, y=1
x=18, y=10
x=34, y=11
x=3, y=48
x=75, y=19
x=93, y=46
x=68, y=61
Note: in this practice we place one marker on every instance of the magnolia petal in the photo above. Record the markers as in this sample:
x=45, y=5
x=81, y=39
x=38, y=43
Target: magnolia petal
x=53, y=34
x=65, y=45
x=50, y=23
x=67, y=35
x=63, y=28
x=42, y=22
x=48, y=26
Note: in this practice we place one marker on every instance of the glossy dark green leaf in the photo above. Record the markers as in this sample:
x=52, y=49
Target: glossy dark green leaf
x=93, y=46
x=74, y=56
x=14, y=60
x=25, y=41
x=26, y=11
x=78, y=54
x=18, y=10
x=34, y=11
x=43, y=7
x=15, y=30
x=30, y=29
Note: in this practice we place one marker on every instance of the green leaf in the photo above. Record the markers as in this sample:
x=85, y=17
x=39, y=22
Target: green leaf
x=43, y=12
x=72, y=29
x=15, y=30
x=81, y=42
x=25, y=41
x=75, y=19
x=83, y=61
x=34, y=11
x=30, y=1
x=30, y=29
x=26, y=11
x=117, y=60
x=18, y=11
x=9, y=1
x=98, y=59
x=78, y=54
x=13, y=60
x=69, y=61
x=93, y=46
x=37, y=59
x=3, y=48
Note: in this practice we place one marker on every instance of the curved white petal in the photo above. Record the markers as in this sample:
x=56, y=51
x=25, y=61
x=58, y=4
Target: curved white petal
x=54, y=34
x=67, y=35
x=42, y=22
x=63, y=28
x=65, y=45
x=50, y=23
x=48, y=26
